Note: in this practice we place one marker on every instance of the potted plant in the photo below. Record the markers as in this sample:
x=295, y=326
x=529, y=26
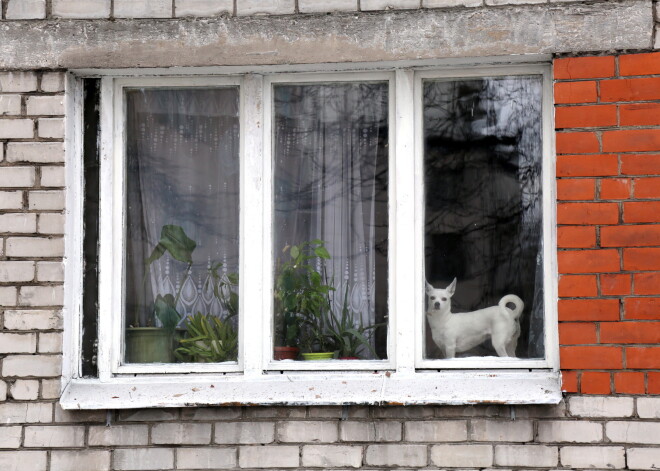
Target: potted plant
x=301, y=300
x=208, y=340
x=149, y=343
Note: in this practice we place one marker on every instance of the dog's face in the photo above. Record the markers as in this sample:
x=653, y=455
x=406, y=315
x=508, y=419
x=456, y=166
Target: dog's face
x=440, y=299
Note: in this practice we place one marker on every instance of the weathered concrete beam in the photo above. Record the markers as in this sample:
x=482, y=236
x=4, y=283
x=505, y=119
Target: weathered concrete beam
x=356, y=37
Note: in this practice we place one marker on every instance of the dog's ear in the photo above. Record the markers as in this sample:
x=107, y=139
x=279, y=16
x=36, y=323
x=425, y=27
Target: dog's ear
x=451, y=289
x=429, y=286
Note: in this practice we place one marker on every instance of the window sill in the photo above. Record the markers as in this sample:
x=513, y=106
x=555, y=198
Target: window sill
x=532, y=387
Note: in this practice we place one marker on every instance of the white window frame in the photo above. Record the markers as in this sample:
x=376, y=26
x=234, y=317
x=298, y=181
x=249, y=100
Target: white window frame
x=405, y=377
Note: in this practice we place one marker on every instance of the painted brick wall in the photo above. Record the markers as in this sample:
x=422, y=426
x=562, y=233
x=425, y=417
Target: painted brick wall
x=608, y=212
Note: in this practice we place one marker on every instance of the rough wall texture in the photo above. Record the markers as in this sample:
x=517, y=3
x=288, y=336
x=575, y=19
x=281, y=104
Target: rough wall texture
x=608, y=185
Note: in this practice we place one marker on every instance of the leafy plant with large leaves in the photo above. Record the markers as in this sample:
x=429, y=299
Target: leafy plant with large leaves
x=209, y=340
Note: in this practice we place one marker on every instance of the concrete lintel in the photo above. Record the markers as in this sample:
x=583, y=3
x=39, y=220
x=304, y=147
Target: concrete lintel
x=353, y=37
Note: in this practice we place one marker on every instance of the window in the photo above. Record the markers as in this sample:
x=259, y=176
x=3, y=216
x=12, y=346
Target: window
x=323, y=211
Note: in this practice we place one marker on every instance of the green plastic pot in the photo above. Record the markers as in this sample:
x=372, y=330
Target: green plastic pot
x=318, y=356
x=149, y=345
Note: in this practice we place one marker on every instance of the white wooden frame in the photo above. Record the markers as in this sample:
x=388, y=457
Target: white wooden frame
x=403, y=378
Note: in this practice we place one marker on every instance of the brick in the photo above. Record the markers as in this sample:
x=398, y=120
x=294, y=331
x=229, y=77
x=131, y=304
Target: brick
x=585, y=116
x=435, y=431
x=50, y=271
x=244, y=432
x=50, y=342
x=45, y=105
x=472, y=456
x=320, y=6
x=370, y=5
x=273, y=456
x=33, y=319
x=577, y=286
x=78, y=9
x=570, y=432
x=587, y=165
x=591, y=358
x=17, y=343
x=575, y=92
x=79, y=416
x=630, y=332
x=11, y=199
x=148, y=415
x=577, y=143
x=576, y=189
x=10, y=105
x=25, y=390
x=54, y=436
x=46, y=200
x=15, y=271
x=42, y=152
x=25, y=366
x=571, y=68
x=638, y=89
x=569, y=381
x=137, y=459
x=396, y=455
x=647, y=283
x=640, y=165
x=37, y=296
x=35, y=247
x=449, y=3
x=646, y=358
x=150, y=9
x=26, y=413
x=265, y=7
x=50, y=388
x=18, y=81
x=16, y=460
x=642, y=211
x=97, y=460
x=576, y=237
x=588, y=261
x=501, y=431
x=50, y=128
x=648, y=407
x=526, y=455
x=50, y=223
x=206, y=458
x=615, y=284
x=16, y=177
x=52, y=82
x=307, y=432
x=203, y=7
x=8, y=295
x=640, y=114
x=653, y=386
x=18, y=223
x=329, y=456
x=52, y=176
x=211, y=413
x=587, y=213
x=632, y=140
x=376, y=431
x=642, y=308
x=16, y=129
x=585, y=406
x=577, y=333
x=10, y=437
x=118, y=435
x=641, y=259
x=633, y=432
x=3, y=392
x=615, y=189
x=184, y=434
x=26, y=9
x=595, y=382
x=639, y=64
x=604, y=457
x=629, y=382
x=643, y=458
x=647, y=187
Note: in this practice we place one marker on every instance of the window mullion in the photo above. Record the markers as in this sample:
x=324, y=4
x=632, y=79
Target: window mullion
x=253, y=310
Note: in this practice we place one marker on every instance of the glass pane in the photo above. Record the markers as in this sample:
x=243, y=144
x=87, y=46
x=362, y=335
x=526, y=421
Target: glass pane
x=483, y=220
x=182, y=187
x=330, y=219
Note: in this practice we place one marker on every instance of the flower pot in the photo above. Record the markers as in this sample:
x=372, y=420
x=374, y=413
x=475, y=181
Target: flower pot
x=285, y=353
x=149, y=345
x=318, y=356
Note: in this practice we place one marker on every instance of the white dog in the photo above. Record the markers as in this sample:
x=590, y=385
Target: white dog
x=460, y=332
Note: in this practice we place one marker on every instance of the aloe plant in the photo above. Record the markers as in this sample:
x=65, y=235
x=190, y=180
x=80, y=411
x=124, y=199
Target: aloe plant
x=210, y=340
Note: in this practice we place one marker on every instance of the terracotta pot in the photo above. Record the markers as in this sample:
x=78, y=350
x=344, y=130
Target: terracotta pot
x=285, y=353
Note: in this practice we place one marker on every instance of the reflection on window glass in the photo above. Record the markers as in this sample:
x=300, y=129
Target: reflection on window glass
x=330, y=221
x=482, y=171
x=181, y=288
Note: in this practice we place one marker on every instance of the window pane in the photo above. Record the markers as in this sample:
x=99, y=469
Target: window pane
x=182, y=186
x=483, y=220
x=330, y=219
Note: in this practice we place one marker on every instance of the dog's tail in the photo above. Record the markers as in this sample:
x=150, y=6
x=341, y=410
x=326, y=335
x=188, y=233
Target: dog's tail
x=516, y=301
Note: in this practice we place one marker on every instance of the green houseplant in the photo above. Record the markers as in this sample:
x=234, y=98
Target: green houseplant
x=209, y=340
x=148, y=343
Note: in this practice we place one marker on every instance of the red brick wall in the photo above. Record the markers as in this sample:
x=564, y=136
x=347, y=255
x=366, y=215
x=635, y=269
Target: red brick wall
x=607, y=116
